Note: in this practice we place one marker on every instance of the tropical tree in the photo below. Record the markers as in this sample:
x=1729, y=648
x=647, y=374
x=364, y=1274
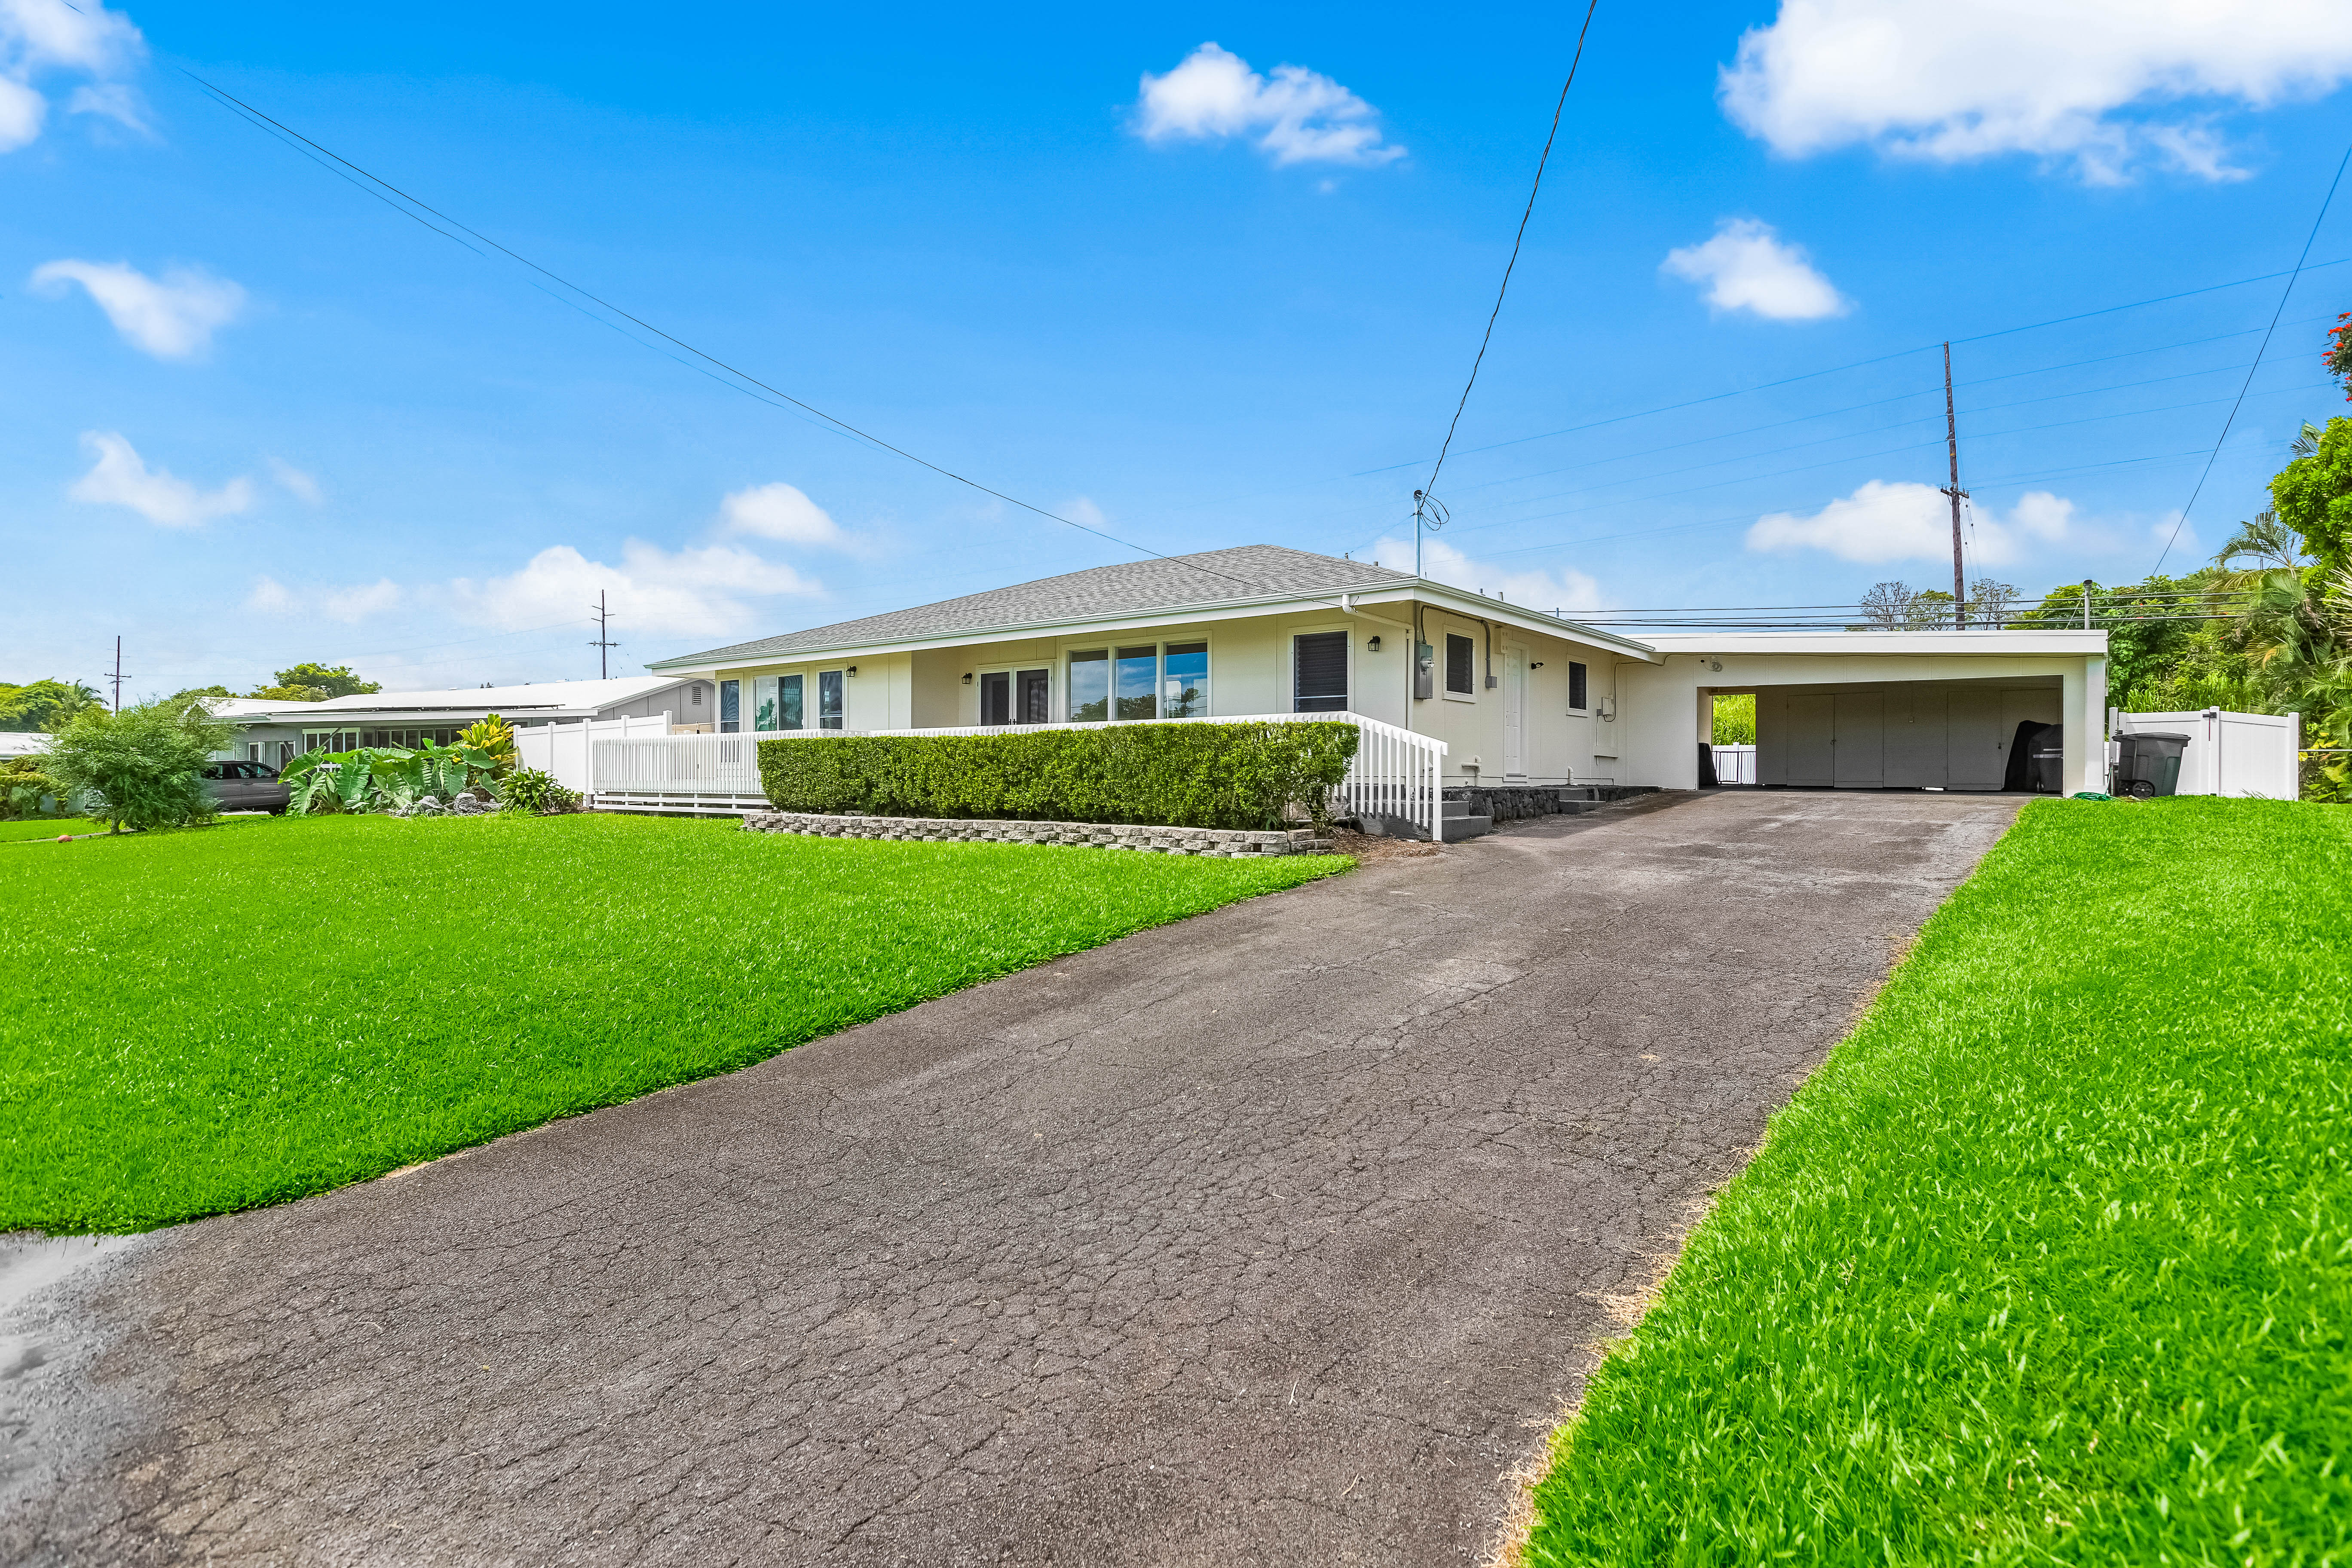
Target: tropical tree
x=142, y=763
x=314, y=683
x=2312, y=496
x=2265, y=539
x=42, y=704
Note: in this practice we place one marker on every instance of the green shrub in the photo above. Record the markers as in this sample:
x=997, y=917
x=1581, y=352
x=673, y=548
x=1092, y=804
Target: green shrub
x=142, y=763
x=26, y=791
x=1177, y=776
x=531, y=791
x=381, y=778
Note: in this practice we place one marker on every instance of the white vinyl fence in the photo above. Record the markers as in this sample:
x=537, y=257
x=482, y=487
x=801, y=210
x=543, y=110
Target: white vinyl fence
x=564, y=749
x=2241, y=754
x=1735, y=765
x=1395, y=772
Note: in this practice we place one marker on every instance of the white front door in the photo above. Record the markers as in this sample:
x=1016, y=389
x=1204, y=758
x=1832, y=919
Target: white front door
x=1514, y=712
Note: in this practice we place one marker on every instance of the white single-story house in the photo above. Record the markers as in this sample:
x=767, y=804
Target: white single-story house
x=278, y=732
x=1511, y=694
x=23, y=743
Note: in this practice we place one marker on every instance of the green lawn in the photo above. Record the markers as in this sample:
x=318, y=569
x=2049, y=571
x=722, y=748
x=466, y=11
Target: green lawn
x=47, y=827
x=2051, y=1262
x=202, y=1021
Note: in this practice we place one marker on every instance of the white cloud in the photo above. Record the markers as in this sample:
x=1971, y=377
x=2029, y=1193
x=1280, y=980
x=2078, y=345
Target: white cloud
x=1305, y=117
x=1571, y=591
x=1748, y=266
x=170, y=317
x=1907, y=521
x=272, y=597
x=2086, y=81
x=297, y=484
x=699, y=592
x=779, y=512
x=42, y=36
x=120, y=477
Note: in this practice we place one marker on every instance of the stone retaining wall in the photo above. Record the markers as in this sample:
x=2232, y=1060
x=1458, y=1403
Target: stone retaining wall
x=1509, y=803
x=1230, y=842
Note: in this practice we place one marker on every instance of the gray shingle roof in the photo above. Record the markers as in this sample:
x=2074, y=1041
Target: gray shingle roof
x=1131, y=587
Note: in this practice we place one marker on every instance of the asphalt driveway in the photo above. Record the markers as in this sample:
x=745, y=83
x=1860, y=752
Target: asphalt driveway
x=1278, y=1235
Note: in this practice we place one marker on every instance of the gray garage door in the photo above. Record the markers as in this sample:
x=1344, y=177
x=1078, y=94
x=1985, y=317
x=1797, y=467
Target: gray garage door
x=1894, y=735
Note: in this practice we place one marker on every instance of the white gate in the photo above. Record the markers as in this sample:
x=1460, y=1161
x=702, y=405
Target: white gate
x=2241, y=754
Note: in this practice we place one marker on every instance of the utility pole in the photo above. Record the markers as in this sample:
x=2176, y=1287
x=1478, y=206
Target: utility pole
x=603, y=645
x=1426, y=514
x=118, y=674
x=1952, y=441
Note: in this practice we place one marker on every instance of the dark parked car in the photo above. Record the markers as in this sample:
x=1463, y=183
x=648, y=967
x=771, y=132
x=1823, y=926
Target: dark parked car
x=244, y=786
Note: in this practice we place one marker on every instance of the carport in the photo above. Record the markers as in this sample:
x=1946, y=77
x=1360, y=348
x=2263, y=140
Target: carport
x=1869, y=710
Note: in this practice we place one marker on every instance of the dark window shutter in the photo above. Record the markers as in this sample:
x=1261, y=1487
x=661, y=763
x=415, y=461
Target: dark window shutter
x=1320, y=672
x=1576, y=692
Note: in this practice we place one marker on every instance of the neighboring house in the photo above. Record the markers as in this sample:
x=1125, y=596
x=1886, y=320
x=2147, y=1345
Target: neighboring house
x=1516, y=693
x=276, y=733
x=23, y=743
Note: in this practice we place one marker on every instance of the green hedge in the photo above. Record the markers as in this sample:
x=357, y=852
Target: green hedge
x=1177, y=775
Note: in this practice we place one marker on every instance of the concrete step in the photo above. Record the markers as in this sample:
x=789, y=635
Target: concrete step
x=1452, y=828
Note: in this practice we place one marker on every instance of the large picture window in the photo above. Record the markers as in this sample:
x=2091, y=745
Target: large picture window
x=828, y=699
x=1461, y=665
x=1184, y=681
x=730, y=707
x=1318, y=672
x=1090, y=686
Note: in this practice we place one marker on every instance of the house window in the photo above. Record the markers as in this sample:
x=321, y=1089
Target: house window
x=763, y=702
x=1184, y=681
x=828, y=699
x=1318, y=672
x=1034, y=690
x=253, y=751
x=730, y=707
x=788, y=702
x=1461, y=665
x=694, y=694
x=1576, y=687
x=1134, y=682
x=1090, y=687
x=996, y=697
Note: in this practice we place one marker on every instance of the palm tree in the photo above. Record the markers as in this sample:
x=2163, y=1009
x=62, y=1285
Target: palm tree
x=2267, y=540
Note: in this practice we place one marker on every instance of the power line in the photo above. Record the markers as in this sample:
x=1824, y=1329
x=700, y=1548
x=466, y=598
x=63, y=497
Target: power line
x=246, y=111
x=1517, y=240
x=2284, y=294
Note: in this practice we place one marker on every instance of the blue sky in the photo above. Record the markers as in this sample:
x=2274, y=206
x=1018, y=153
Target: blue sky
x=250, y=413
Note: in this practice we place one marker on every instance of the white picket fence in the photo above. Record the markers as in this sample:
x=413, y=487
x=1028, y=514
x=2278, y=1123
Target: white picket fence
x=1395, y=772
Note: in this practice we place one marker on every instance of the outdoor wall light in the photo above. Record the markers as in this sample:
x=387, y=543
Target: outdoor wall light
x=1537, y=664
x=1373, y=646
x=851, y=670
x=967, y=678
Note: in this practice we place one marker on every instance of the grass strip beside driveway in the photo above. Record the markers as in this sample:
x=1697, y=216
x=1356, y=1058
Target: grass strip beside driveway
x=197, y=1021
x=2052, y=1261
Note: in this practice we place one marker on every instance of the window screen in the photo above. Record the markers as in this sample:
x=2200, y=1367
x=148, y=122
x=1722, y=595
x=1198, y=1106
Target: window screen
x=788, y=702
x=1320, y=672
x=730, y=707
x=1576, y=692
x=828, y=699
x=996, y=698
x=1090, y=687
x=1460, y=664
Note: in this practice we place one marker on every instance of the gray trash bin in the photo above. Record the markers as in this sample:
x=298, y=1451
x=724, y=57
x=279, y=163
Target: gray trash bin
x=2148, y=765
x=2046, y=762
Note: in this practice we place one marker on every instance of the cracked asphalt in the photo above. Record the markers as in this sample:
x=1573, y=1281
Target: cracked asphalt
x=1282, y=1234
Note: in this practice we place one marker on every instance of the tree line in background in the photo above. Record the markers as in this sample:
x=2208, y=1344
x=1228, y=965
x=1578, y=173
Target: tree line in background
x=49, y=705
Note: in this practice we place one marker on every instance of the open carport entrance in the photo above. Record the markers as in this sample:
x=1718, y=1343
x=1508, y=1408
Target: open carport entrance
x=1952, y=735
